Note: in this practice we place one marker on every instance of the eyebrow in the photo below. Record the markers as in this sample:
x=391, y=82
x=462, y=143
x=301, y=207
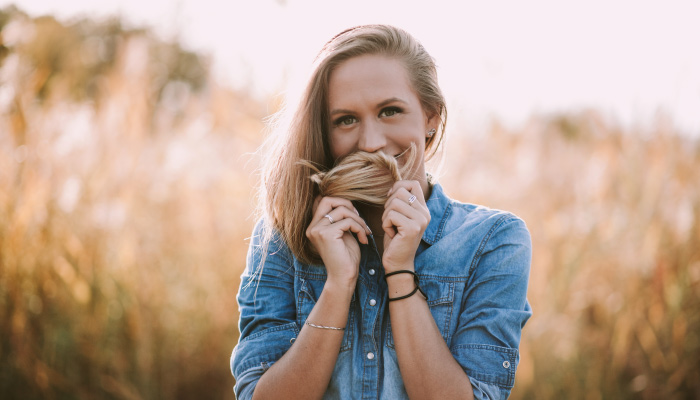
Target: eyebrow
x=380, y=105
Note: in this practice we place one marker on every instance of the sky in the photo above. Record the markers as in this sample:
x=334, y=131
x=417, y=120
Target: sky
x=629, y=60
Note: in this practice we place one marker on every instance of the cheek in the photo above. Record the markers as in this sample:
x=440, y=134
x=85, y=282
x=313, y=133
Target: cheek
x=406, y=134
x=338, y=146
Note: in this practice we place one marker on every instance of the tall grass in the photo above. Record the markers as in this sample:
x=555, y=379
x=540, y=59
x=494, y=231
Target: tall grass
x=123, y=212
x=126, y=181
x=615, y=223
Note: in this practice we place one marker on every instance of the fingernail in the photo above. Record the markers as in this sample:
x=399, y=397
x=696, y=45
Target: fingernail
x=356, y=212
x=370, y=231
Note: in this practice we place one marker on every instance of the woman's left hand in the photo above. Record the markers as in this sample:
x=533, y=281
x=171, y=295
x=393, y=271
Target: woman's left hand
x=403, y=225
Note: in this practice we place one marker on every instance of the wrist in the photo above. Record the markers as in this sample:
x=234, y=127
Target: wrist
x=391, y=267
x=400, y=284
x=343, y=287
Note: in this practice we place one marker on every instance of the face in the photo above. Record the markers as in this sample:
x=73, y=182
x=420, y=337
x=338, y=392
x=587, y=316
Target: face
x=373, y=107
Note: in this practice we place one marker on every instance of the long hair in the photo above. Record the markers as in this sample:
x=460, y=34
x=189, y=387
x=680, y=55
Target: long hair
x=286, y=194
x=364, y=177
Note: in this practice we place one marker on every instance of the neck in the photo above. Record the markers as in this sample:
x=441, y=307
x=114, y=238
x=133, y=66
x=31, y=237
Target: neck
x=373, y=216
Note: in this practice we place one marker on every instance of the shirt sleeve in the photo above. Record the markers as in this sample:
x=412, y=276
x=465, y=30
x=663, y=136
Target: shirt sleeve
x=266, y=304
x=495, y=309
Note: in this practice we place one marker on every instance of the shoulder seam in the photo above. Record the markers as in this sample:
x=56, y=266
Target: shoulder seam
x=486, y=238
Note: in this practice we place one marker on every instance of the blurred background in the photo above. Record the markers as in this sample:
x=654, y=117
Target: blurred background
x=128, y=133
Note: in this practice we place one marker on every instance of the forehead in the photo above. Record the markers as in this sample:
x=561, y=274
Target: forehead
x=369, y=78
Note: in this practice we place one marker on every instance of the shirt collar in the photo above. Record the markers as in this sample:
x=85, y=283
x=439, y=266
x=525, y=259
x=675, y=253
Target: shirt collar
x=440, y=207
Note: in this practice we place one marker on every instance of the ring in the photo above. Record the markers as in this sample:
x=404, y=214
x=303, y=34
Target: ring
x=329, y=218
x=411, y=199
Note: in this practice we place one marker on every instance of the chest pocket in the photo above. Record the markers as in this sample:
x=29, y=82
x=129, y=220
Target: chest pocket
x=308, y=294
x=441, y=296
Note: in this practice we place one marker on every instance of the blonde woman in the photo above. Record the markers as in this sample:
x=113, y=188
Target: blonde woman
x=357, y=292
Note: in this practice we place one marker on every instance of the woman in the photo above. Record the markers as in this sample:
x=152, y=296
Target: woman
x=423, y=297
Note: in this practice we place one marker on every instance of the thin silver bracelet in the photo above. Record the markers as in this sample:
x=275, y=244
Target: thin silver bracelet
x=324, y=327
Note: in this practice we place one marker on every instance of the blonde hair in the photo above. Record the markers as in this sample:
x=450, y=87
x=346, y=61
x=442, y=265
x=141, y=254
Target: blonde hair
x=286, y=193
x=364, y=177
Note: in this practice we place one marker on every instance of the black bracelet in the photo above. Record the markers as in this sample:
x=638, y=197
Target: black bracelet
x=415, y=280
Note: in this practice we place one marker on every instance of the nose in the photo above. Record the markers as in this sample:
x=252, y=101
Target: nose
x=372, y=138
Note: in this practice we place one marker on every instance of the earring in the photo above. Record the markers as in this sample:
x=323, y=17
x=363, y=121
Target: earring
x=431, y=133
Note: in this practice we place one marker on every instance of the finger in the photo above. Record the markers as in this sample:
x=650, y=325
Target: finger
x=327, y=204
x=358, y=229
x=340, y=213
x=412, y=212
x=412, y=187
x=396, y=223
x=401, y=195
x=412, y=219
x=343, y=219
x=351, y=225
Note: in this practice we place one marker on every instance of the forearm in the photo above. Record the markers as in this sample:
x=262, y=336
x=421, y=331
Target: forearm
x=306, y=368
x=428, y=369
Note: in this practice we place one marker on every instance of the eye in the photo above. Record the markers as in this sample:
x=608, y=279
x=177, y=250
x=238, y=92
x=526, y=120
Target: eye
x=345, y=120
x=390, y=111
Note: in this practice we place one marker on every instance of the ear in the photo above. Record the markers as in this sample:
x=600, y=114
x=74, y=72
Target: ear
x=432, y=121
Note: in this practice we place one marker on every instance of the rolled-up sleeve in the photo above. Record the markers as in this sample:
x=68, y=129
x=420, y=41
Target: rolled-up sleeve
x=495, y=309
x=266, y=305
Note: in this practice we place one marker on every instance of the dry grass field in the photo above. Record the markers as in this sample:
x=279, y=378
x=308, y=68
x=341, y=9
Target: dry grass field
x=126, y=196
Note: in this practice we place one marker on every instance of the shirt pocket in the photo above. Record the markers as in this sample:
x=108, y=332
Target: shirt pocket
x=441, y=297
x=308, y=294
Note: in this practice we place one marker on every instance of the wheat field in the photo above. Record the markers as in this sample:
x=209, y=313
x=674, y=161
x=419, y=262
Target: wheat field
x=127, y=180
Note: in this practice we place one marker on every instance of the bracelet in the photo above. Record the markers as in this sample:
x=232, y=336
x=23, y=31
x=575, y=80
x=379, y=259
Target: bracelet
x=323, y=327
x=415, y=280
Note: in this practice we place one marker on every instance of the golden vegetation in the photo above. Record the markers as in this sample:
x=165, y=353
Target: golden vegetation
x=126, y=181
x=615, y=224
x=124, y=205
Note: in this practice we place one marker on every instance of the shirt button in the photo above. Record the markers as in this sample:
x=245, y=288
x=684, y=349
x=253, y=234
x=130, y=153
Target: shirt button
x=506, y=364
x=292, y=340
x=370, y=356
x=372, y=302
x=371, y=271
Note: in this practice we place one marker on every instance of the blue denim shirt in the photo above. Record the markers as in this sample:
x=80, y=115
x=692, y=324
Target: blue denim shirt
x=473, y=264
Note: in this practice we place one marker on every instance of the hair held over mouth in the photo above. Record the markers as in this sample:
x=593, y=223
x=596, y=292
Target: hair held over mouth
x=363, y=177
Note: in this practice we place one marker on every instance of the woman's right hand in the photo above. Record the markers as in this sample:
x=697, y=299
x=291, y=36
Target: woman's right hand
x=333, y=239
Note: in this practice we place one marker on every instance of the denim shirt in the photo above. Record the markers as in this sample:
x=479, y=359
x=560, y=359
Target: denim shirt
x=473, y=264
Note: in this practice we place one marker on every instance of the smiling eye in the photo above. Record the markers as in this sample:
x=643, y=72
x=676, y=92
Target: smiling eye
x=345, y=120
x=389, y=112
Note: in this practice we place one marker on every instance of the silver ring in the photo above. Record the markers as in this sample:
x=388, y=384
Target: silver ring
x=329, y=218
x=411, y=199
